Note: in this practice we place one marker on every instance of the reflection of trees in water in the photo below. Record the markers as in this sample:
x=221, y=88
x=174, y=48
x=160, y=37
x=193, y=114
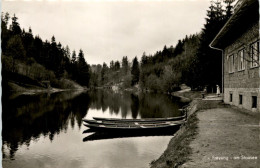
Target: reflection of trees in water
x=116, y=102
x=148, y=105
x=159, y=105
x=134, y=105
x=28, y=117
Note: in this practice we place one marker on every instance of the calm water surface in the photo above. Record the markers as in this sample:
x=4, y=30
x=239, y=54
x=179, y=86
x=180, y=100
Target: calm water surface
x=46, y=130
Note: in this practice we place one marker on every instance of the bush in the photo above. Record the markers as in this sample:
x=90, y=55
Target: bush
x=153, y=83
x=7, y=63
x=127, y=81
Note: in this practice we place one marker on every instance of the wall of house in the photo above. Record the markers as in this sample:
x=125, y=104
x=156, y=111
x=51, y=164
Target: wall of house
x=245, y=82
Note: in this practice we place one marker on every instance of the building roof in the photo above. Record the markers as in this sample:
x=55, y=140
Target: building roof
x=237, y=5
x=245, y=16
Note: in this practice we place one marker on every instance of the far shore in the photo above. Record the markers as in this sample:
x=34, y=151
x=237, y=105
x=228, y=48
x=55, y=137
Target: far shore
x=31, y=89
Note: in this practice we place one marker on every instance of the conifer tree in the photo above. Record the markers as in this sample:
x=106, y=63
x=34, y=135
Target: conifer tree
x=117, y=65
x=5, y=35
x=73, y=57
x=81, y=60
x=135, y=71
x=179, y=48
x=83, y=69
x=103, y=73
x=67, y=52
x=15, y=27
x=208, y=66
x=112, y=65
x=229, y=9
x=125, y=65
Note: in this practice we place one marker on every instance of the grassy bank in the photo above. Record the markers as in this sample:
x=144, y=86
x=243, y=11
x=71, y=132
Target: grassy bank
x=191, y=95
x=25, y=85
x=178, y=150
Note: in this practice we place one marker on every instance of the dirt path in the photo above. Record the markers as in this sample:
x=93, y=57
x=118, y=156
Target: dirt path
x=226, y=137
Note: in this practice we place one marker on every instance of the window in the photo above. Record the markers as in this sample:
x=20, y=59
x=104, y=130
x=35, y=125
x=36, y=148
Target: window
x=240, y=99
x=241, y=60
x=231, y=97
x=254, y=54
x=231, y=64
x=254, y=101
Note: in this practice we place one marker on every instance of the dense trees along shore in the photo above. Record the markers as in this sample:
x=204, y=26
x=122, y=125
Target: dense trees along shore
x=190, y=61
x=29, y=56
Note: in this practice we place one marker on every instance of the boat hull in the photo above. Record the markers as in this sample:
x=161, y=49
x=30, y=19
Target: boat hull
x=130, y=123
x=138, y=128
x=140, y=120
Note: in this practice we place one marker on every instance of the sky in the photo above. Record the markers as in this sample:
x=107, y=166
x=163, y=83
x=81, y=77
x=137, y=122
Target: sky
x=109, y=29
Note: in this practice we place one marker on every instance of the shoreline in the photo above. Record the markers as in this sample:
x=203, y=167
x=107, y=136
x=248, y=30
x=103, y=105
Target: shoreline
x=32, y=89
x=178, y=149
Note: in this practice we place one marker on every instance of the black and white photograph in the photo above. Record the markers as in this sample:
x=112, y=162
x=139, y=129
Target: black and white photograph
x=130, y=84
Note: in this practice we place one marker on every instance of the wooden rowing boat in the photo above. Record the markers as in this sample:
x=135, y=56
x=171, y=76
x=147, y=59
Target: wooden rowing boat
x=140, y=120
x=127, y=123
x=133, y=127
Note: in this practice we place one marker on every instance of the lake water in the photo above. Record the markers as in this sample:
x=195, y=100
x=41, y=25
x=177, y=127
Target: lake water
x=46, y=130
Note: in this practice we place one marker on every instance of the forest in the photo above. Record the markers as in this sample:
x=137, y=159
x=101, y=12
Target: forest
x=26, y=58
x=29, y=59
x=191, y=61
